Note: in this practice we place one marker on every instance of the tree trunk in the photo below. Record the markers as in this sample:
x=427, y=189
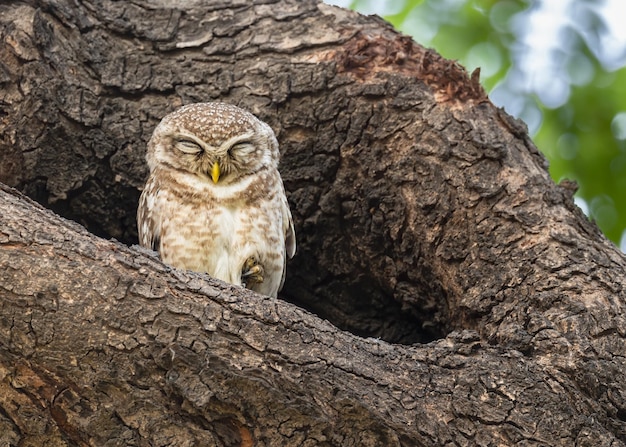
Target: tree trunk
x=478, y=305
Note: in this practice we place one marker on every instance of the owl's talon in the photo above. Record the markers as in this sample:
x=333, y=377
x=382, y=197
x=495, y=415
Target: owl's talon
x=252, y=272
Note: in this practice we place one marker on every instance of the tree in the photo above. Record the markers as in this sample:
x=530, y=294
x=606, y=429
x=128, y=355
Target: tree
x=425, y=216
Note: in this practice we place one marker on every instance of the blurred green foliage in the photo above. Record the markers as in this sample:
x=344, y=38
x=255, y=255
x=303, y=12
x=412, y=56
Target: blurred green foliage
x=584, y=138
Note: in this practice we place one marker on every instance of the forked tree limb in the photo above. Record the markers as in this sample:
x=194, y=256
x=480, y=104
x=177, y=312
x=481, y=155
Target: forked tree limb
x=104, y=345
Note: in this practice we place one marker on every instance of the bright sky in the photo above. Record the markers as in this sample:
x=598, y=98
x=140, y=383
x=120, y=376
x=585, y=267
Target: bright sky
x=542, y=34
x=614, y=12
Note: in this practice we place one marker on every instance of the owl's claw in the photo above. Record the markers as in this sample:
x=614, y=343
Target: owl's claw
x=252, y=272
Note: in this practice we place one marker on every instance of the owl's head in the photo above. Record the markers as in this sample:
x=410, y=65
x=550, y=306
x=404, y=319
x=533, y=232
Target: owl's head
x=216, y=141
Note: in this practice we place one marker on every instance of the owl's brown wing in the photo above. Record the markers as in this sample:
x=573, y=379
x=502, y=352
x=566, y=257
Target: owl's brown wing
x=148, y=224
x=290, y=238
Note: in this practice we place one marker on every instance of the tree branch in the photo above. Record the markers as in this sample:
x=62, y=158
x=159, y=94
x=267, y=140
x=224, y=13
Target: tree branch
x=106, y=344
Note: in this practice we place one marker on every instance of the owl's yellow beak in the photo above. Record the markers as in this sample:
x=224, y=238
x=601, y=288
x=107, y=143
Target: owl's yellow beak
x=215, y=172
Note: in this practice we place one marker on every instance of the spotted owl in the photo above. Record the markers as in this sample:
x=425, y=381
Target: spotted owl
x=214, y=201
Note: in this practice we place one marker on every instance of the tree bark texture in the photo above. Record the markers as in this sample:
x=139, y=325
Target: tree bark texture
x=425, y=217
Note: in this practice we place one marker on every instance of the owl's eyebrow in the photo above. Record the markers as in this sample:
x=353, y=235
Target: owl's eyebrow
x=246, y=138
x=185, y=139
x=242, y=143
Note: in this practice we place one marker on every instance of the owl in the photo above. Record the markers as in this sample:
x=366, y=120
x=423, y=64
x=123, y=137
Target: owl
x=214, y=201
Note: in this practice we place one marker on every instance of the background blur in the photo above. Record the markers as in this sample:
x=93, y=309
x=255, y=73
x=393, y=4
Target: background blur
x=556, y=64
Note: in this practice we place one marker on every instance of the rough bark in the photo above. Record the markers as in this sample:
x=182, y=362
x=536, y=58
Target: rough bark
x=422, y=213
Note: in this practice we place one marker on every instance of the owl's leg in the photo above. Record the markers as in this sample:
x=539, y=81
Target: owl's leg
x=252, y=272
